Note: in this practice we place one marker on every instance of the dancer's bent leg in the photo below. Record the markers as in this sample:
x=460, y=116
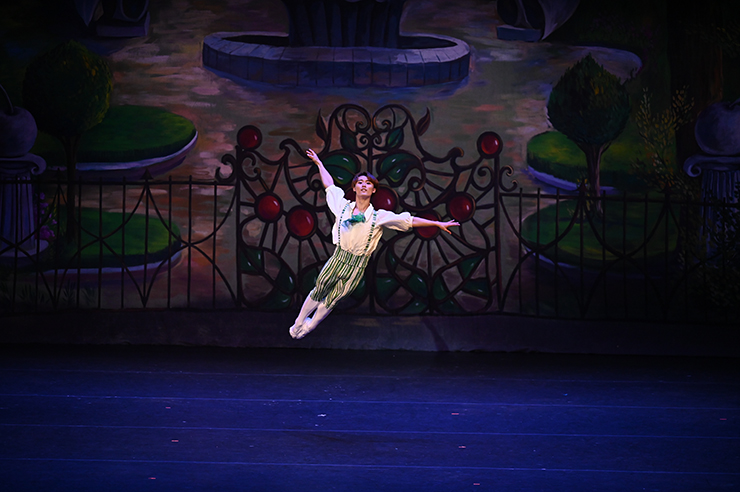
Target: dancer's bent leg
x=337, y=279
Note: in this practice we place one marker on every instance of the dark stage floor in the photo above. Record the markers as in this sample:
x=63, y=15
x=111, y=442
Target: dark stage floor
x=172, y=419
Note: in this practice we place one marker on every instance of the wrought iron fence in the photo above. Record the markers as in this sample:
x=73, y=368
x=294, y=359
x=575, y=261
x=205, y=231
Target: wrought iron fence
x=655, y=257
x=138, y=245
x=255, y=238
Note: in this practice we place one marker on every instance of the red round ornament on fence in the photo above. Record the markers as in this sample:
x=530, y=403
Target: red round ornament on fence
x=489, y=144
x=268, y=207
x=461, y=207
x=301, y=222
x=385, y=198
x=249, y=137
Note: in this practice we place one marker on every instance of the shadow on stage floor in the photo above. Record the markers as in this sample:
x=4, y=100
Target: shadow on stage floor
x=176, y=418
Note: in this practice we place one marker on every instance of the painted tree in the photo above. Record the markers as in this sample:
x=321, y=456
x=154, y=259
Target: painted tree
x=591, y=107
x=67, y=90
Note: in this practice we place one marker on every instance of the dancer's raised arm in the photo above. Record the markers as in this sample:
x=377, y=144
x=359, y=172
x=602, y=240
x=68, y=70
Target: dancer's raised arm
x=326, y=178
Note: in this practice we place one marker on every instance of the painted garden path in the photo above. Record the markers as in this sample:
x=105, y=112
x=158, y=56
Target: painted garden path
x=506, y=92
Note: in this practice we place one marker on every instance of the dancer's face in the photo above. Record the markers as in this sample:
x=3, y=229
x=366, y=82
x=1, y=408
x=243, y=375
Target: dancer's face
x=364, y=187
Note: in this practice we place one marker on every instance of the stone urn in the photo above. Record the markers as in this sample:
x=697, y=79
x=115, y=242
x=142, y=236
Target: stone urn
x=115, y=18
x=532, y=20
x=17, y=128
x=717, y=129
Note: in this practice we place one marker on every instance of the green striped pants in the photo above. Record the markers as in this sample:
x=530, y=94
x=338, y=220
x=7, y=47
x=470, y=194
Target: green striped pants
x=339, y=277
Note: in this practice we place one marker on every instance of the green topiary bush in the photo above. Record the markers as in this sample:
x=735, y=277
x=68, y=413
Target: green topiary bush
x=67, y=90
x=591, y=107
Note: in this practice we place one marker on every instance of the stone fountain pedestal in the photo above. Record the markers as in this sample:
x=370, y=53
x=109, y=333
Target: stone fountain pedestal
x=720, y=175
x=18, y=222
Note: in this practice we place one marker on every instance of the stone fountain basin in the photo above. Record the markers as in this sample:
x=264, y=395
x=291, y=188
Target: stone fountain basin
x=266, y=57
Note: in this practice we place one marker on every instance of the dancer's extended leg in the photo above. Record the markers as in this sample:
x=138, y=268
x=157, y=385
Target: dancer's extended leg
x=321, y=312
x=309, y=305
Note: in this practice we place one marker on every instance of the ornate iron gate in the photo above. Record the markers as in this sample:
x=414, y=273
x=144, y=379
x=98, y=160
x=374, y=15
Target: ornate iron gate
x=283, y=222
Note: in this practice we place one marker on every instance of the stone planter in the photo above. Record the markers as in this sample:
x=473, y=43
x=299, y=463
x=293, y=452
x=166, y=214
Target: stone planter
x=428, y=60
x=717, y=132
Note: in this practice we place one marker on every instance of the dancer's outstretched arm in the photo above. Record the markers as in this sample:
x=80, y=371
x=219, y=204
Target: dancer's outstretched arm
x=326, y=178
x=419, y=222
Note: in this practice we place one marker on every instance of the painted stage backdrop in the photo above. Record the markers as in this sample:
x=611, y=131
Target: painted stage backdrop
x=152, y=154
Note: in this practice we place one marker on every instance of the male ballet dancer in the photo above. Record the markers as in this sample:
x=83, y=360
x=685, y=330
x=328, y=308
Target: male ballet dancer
x=356, y=233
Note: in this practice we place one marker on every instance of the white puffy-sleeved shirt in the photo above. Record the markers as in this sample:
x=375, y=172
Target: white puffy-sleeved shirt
x=354, y=236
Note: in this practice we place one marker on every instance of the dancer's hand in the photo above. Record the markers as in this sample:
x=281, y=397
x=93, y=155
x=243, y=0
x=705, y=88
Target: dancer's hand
x=445, y=226
x=312, y=155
